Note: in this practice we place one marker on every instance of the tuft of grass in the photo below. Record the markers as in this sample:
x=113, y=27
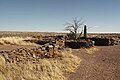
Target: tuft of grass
x=43, y=69
x=91, y=50
x=2, y=77
x=2, y=61
x=15, y=41
x=2, y=66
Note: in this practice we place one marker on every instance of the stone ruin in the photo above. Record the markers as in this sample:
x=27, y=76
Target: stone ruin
x=34, y=54
x=79, y=44
x=105, y=41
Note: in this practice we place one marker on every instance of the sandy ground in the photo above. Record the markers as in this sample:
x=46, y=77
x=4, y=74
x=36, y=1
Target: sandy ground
x=103, y=64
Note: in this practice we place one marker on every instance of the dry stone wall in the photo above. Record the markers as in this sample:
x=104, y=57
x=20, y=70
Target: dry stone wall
x=34, y=54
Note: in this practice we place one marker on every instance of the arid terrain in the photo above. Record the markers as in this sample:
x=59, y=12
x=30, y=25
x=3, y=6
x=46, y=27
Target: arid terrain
x=59, y=39
x=102, y=64
x=23, y=57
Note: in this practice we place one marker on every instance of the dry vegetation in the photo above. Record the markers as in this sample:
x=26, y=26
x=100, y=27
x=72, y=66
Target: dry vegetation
x=40, y=69
x=31, y=68
x=16, y=41
x=91, y=50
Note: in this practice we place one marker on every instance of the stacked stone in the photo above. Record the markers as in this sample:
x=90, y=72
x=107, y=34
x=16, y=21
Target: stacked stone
x=60, y=42
x=34, y=54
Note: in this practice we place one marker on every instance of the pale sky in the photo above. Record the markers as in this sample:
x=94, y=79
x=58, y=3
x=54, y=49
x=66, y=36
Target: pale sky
x=51, y=15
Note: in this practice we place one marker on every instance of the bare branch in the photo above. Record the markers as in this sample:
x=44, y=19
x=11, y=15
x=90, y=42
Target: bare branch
x=81, y=23
x=74, y=26
x=71, y=30
x=68, y=24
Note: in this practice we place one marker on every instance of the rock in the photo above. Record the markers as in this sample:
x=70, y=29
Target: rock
x=34, y=56
x=50, y=46
x=43, y=48
x=6, y=56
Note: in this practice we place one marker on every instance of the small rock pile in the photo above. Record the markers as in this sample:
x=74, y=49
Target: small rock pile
x=34, y=54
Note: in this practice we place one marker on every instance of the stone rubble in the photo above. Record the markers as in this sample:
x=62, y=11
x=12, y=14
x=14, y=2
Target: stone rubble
x=34, y=54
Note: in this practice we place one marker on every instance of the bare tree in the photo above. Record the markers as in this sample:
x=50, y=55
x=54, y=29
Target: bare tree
x=74, y=26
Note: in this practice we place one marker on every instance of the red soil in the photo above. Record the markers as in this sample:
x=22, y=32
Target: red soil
x=101, y=65
x=11, y=47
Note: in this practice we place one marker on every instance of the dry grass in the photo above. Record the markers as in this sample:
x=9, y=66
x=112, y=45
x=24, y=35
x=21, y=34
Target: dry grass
x=15, y=41
x=91, y=50
x=2, y=66
x=44, y=69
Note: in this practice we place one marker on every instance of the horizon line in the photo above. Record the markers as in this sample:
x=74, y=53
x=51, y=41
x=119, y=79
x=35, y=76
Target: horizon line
x=51, y=31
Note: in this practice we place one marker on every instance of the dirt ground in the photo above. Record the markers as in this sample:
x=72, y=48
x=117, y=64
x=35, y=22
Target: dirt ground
x=11, y=47
x=103, y=64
